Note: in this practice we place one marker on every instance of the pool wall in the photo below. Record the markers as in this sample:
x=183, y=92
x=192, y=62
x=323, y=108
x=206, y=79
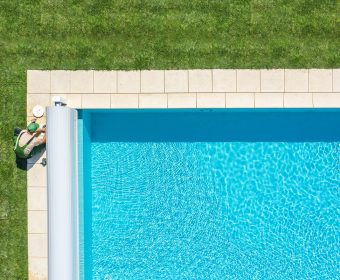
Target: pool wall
x=85, y=193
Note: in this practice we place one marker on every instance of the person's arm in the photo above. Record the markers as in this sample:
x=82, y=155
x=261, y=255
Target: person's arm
x=39, y=130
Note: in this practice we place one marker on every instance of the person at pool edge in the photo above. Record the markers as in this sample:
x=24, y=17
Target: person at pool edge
x=29, y=142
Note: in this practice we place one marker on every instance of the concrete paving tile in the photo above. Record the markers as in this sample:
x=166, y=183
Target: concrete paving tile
x=248, y=80
x=224, y=80
x=176, y=81
x=128, y=81
x=298, y=100
x=37, y=99
x=210, y=100
x=37, y=221
x=336, y=80
x=326, y=100
x=124, y=100
x=38, y=81
x=37, y=245
x=36, y=175
x=104, y=81
x=96, y=100
x=153, y=100
x=272, y=80
x=296, y=80
x=240, y=100
x=60, y=81
x=269, y=100
x=200, y=80
x=73, y=100
x=81, y=81
x=37, y=268
x=320, y=80
x=37, y=198
x=182, y=100
x=152, y=81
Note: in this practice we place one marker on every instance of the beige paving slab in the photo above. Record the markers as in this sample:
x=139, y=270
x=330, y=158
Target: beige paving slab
x=269, y=100
x=326, y=100
x=37, y=198
x=153, y=100
x=240, y=100
x=37, y=268
x=182, y=100
x=38, y=81
x=336, y=80
x=272, y=80
x=81, y=81
x=73, y=100
x=37, y=99
x=320, y=80
x=37, y=245
x=224, y=80
x=176, y=81
x=96, y=100
x=60, y=81
x=200, y=80
x=210, y=100
x=40, y=121
x=37, y=221
x=124, y=100
x=152, y=81
x=104, y=81
x=36, y=175
x=248, y=80
x=128, y=81
x=298, y=100
x=296, y=80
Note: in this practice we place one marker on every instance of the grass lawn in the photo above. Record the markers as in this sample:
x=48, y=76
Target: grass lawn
x=131, y=34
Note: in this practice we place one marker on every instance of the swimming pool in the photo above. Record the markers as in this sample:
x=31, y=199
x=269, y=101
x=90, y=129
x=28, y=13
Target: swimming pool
x=209, y=194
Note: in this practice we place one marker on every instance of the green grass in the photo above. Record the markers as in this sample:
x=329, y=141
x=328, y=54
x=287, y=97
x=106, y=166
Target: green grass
x=131, y=34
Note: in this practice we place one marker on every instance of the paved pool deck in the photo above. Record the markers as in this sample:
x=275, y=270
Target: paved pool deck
x=213, y=88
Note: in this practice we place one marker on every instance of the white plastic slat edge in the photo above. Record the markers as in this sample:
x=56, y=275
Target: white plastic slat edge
x=62, y=193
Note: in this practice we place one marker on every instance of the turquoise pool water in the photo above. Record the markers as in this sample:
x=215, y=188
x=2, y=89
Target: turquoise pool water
x=172, y=209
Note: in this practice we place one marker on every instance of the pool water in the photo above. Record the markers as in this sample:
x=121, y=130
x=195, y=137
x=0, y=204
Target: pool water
x=212, y=210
